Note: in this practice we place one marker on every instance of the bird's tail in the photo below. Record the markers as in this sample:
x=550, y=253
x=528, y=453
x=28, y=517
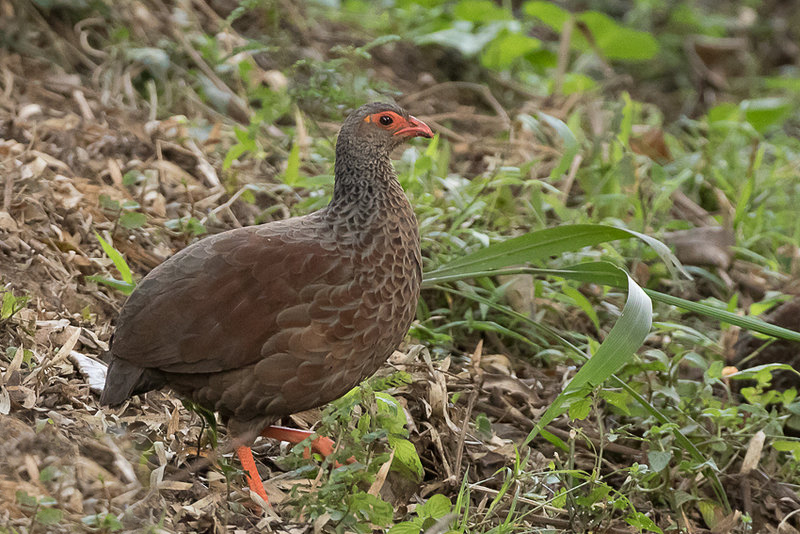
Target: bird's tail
x=122, y=380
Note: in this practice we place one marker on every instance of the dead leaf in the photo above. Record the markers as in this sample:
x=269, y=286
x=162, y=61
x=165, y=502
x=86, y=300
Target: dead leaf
x=92, y=370
x=710, y=245
x=754, y=449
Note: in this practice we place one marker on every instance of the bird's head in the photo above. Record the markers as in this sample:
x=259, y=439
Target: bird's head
x=380, y=127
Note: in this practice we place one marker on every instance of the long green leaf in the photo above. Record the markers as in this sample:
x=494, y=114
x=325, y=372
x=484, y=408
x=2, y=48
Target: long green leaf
x=750, y=323
x=595, y=273
x=542, y=244
x=624, y=339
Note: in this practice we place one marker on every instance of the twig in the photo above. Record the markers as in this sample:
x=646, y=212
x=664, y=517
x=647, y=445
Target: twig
x=83, y=105
x=211, y=14
x=447, y=132
x=463, y=434
x=563, y=54
x=237, y=108
x=8, y=83
x=83, y=37
x=478, y=384
x=573, y=170
x=515, y=86
x=57, y=39
x=226, y=206
x=7, y=190
x=478, y=88
x=490, y=491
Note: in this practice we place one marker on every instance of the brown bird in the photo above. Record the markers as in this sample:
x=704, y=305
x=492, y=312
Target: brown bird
x=261, y=322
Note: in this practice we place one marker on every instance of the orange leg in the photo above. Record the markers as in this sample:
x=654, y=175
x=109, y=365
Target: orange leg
x=322, y=445
x=249, y=466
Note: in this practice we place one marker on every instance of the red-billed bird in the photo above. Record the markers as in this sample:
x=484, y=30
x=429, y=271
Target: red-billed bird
x=261, y=322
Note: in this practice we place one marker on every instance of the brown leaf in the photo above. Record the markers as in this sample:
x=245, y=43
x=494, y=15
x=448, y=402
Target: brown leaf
x=651, y=144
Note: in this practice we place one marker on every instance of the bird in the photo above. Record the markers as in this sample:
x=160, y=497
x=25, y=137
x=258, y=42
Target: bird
x=264, y=321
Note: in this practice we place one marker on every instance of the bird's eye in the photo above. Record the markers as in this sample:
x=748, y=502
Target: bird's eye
x=386, y=120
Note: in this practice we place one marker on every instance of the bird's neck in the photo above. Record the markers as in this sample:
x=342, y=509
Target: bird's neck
x=366, y=193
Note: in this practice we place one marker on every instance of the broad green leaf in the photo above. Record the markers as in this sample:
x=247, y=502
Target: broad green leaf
x=437, y=506
x=619, y=42
x=406, y=527
x=507, y=47
x=788, y=446
x=233, y=154
x=580, y=409
x=762, y=113
x=711, y=512
x=28, y=501
x=370, y=508
x=789, y=84
x=642, y=522
x=658, y=460
x=619, y=399
x=575, y=82
x=106, y=521
x=549, y=13
x=11, y=304
x=479, y=11
x=724, y=112
x=132, y=220
x=406, y=460
x=49, y=516
x=388, y=406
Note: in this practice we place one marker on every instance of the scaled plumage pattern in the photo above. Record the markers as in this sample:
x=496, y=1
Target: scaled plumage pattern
x=265, y=321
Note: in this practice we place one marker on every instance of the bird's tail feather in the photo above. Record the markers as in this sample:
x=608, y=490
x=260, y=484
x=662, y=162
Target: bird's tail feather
x=122, y=381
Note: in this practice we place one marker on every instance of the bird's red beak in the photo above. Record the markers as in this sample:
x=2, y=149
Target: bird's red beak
x=414, y=128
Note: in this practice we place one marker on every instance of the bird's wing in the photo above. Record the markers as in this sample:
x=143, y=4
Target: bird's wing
x=229, y=301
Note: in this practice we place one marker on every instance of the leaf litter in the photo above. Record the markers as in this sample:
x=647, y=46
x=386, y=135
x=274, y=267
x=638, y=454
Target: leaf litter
x=80, y=153
x=73, y=155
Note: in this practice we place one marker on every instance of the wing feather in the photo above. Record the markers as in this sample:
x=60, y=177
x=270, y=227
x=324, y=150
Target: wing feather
x=230, y=301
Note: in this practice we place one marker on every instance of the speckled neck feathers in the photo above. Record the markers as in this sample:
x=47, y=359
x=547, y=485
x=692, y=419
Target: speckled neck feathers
x=366, y=191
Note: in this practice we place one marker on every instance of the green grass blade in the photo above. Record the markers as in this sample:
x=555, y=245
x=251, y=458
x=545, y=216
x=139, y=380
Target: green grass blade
x=120, y=285
x=624, y=339
x=750, y=323
x=540, y=245
x=117, y=258
x=597, y=273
